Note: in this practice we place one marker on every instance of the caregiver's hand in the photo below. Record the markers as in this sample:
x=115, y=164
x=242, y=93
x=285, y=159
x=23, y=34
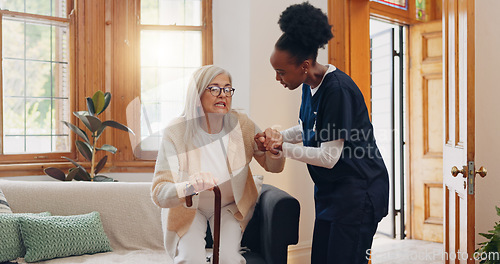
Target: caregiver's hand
x=270, y=140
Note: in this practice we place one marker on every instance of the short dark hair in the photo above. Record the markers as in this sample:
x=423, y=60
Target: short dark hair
x=305, y=30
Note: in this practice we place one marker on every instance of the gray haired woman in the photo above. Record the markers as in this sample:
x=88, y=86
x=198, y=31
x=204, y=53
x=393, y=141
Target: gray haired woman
x=208, y=145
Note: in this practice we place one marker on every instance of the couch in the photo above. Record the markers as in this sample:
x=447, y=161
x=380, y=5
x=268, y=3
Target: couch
x=132, y=222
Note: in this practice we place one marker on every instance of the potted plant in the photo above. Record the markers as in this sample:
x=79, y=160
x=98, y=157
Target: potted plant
x=87, y=146
x=492, y=246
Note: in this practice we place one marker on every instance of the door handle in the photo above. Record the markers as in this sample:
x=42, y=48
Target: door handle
x=482, y=171
x=455, y=171
x=469, y=172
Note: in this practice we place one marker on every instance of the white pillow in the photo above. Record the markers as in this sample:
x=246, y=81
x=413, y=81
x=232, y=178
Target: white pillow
x=4, y=205
x=259, y=180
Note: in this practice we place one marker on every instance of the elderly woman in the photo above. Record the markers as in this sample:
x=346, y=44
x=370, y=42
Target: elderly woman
x=208, y=145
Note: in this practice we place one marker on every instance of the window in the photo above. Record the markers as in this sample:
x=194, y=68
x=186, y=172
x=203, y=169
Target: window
x=402, y=4
x=422, y=8
x=172, y=48
x=35, y=79
x=408, y=11
x=135, y=49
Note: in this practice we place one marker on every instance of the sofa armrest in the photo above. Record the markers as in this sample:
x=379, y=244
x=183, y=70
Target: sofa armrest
x=274, y=226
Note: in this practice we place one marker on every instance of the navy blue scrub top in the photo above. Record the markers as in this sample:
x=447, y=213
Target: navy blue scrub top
x=338, y=111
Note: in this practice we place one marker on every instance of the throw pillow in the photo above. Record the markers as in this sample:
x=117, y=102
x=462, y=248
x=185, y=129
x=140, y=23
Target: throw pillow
x=63, y=236
x=4, y=206
x=11, y=243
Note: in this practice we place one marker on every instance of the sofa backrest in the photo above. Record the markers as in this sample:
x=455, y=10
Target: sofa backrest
x=130, y=218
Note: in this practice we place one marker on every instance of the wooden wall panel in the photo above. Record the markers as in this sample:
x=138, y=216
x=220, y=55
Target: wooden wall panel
x=433, y=123
x=338, y=47
x=89, y=51
x=349, y=50
x=433, y=203
x=124, y=66
x=360, y=47
x=105, y=46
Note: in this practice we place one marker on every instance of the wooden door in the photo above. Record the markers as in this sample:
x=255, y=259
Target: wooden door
x=459, y=131
x=426, y=131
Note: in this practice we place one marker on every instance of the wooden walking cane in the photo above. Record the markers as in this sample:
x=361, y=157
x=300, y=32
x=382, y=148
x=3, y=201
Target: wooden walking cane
x=216, y=231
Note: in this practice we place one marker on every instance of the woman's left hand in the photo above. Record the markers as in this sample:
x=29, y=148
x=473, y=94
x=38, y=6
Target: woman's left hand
x=259, y=139
x=202, y=181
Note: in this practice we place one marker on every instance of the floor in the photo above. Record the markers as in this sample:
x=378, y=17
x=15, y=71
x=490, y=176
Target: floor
x=386, y=250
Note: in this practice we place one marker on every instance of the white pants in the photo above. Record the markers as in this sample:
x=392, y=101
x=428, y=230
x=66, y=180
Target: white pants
x=191, y=247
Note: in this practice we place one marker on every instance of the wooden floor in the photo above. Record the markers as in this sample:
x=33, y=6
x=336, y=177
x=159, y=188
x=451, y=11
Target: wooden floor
x=392, y=251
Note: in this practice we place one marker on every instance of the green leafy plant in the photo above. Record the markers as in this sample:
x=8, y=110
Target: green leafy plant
x=490, y=248
x=88, y=146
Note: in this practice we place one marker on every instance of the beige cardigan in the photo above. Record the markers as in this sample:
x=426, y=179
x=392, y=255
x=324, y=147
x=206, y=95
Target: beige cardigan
x=167, y=182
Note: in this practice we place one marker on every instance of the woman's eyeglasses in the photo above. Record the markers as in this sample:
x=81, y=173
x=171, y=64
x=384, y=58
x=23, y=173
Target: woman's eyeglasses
x=216, y=91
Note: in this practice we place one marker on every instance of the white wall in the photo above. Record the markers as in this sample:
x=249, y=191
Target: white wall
x=487, y=109
x=244, y=36
x=231, y=41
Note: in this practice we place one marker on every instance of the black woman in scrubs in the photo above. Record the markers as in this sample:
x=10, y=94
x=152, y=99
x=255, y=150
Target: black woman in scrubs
x=351, y=183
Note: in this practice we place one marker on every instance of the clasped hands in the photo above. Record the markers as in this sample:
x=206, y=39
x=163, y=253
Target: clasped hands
x=269, y=140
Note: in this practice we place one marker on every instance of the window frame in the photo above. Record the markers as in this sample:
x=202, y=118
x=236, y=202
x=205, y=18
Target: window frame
x=28, y=160
x=206, y=30
x=125, y=160
x=401, y=16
